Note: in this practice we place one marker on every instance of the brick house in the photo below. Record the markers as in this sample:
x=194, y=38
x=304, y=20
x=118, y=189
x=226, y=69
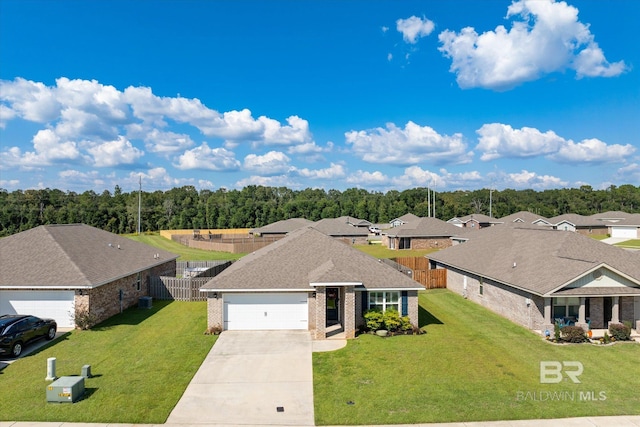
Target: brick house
x=534, y=275
x=307, y=281
x=66, y=271
x=422, y=233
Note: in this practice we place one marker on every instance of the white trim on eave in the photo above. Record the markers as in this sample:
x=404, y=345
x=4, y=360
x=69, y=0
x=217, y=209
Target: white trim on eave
x=254, y=290
x=334, y=284
x=601, y=265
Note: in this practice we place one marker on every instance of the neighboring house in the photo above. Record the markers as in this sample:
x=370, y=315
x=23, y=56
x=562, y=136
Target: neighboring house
x=475, y=221
x=423, y=233
x=307, y=281
x=62, y=271
x=404, y=219
x=280, y=228
x=525, y=217
x=579, y=223
x=342, y=229
x=612, y=216
x=628, y=228
x=533, y=276
x=355, y=221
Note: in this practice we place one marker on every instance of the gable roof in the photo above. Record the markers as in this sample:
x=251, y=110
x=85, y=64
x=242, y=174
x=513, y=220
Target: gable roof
x=522, y=216
x=544, y=260
x=304, y=257
x=577, y=220
x=282, y=227
x=633, y=220
x=409, y=217
x=338, y=227
x=426, y=227
x=612, y=216
x=72, y=256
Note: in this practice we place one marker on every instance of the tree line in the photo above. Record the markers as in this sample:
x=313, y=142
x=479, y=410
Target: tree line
x=255, y=206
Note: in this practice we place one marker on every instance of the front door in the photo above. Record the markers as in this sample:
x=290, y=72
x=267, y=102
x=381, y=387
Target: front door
x=333, y=301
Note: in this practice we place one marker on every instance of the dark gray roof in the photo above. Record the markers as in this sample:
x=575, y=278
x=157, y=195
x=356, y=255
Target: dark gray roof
x=282, y=227
x=76, y=255
x=426, y=227
x=307, y=256
x=544, y=259
x=339, y=227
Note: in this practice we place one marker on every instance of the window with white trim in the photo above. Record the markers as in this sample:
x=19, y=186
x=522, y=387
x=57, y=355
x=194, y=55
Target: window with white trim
x=384, y=300
x=566, y=307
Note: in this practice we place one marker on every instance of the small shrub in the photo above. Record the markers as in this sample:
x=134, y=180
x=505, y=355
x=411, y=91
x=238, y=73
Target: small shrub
x=606, y=339
x=373, y=319
x=84, y=319
x=620, y=332
x=405, y=323
x=556, y=331
x=213, y=330
x=574, y=334
x=391, y=320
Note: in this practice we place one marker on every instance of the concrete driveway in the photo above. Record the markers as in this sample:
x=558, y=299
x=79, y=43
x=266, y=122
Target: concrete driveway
x=252, y=378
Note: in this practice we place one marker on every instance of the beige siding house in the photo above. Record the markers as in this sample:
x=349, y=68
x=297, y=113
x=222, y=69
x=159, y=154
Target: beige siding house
x=63, y=271
x=307, y=281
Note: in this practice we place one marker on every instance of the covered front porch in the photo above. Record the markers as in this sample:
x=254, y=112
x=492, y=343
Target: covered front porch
x=595, y=309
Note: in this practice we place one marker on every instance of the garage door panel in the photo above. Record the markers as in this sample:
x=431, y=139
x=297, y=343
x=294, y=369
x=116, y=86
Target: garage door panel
x=624, y=232
x=58, y=305
x=262, y=311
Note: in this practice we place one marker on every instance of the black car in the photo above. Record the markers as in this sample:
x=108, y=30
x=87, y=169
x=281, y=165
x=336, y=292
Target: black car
x=16, y=331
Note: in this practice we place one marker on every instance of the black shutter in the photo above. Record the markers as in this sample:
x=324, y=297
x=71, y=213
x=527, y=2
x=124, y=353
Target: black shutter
x=405, y=303
x=365, y=301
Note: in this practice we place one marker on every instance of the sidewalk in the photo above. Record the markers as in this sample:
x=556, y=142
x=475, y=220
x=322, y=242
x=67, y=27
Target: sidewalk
x=621, y=421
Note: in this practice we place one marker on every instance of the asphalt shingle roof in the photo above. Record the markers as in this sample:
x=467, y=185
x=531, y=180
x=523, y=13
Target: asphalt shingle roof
x=527, y=217
x=74, y=255
x=308, y=256
x=282, y=227
x=426, y=227
x=544, y=259
x=338, y=227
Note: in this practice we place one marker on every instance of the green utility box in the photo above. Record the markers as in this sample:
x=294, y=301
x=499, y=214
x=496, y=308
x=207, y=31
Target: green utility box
x=65, y=390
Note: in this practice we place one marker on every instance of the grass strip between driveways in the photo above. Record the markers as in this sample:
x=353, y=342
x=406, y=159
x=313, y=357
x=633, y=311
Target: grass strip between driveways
x=142, y=361
x=472, y=365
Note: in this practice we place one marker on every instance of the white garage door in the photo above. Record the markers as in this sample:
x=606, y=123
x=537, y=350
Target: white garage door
x=624, y=232
x=265, y=311
x=57, y=305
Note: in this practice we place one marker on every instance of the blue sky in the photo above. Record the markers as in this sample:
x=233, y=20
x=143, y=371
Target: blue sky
x=381, y=95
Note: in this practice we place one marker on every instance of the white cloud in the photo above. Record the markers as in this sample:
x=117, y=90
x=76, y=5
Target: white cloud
x=413, y=28
x=157, y=141
x=629, y=174
x=268, y=181
x=29, y=100
x=77, y=179
x=6, y=114
x=205, y=158
x=48, y=149
x=334, y=171
x=545, y=37
x=155, y=179
x=526, y=179
x=411, y=145
x=297, y=131
x=364, y=178
x=498, y=140
x=115, y=153
x=272, y=163
x=592, y=151
x=9, y=184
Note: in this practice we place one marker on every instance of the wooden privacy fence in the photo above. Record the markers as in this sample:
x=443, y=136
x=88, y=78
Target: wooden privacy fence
x=186, y=288
x=429, y=278
x=179, y=289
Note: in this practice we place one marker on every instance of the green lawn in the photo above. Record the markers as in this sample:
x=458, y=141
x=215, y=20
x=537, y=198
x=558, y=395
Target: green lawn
x=471, y=365
x=186, y=253
x=142, y=361
x=379, y=251
x=635, y=244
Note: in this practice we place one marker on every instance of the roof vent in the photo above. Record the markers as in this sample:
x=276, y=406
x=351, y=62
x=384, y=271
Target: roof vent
x=118, y=246
x=514, y=264
x=110, y=245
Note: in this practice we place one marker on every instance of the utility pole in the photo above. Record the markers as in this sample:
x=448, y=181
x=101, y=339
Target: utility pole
x=490, y=200
x=434, y=199
x=428, y=201
x=139, y=204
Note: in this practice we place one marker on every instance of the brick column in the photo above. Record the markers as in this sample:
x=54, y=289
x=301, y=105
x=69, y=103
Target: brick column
x=615, y=310
x=413, y=307
x=596, y=313
x=321, y=313
x=349, y=321
x=215, y=311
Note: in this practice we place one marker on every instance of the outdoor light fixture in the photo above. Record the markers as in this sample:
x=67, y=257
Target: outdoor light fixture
x=313, y=294
x=215, y=295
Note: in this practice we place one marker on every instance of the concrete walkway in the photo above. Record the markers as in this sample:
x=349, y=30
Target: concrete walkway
x=251, y=378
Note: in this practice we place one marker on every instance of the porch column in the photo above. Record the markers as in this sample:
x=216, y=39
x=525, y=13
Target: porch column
x=547, y=311
x=581, y=311
x=349, y=321
x=615, y=310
